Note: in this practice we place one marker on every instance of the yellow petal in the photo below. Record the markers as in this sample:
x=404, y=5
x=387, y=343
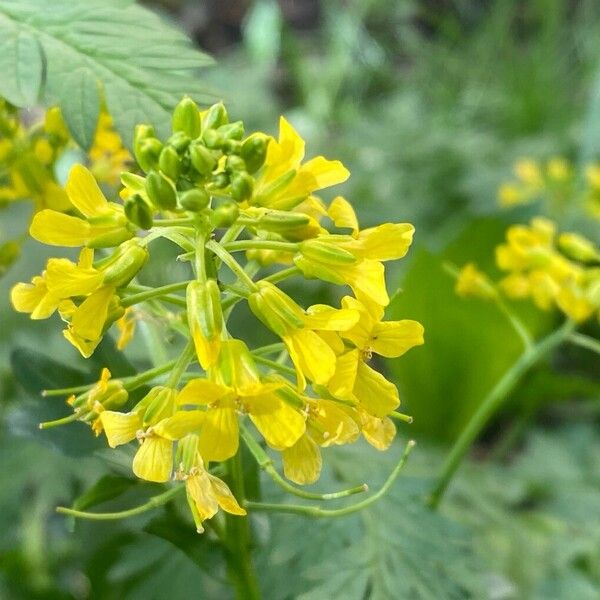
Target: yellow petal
x=180, y=424
x=58, y=229
x=65, y=279
x=367, y=279
x=342, y=214
x=302, y=462
x=389, y=241
x=341, y=384
x=290, y=145
x=324, y=173
x=224, y=496
x=89, y=318
x=379, y=433
x=33, y=298
x=279, y=423
x=84, y=193
x=311, y=356
x=120, y=428
x=327, y=318
x=394, y=338
x=332, y=424
x=219, y=434
x=376, y=394
x=202, y=391
x=154, y=459
x=200, y=490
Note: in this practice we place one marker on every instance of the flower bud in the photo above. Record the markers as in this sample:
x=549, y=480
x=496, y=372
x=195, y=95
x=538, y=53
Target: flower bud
x=159, y=403
x=280, y=221
x=202, y=159
x=139, y=211
x=213, y=139
x=186, y=118
x=220, y=180
x=254, y=152
x=205, y=319
x=161, y=191
x=326, y=252
x=242, y=186
x=147, y=153
x=180, y=141
x=232, y=131
x=111, y=239
x=214, y=117
x=234, y=163
x=194, y=200
x=578, y=247
x=120, y=268
x=170, y=163
x=111, y=396
x=231, y=147
x=225, y=215
x=275, y=309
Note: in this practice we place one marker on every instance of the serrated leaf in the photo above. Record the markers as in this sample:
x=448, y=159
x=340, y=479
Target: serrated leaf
x=143, y=64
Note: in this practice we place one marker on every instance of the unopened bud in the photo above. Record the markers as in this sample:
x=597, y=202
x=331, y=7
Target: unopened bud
x=205, y=319
x=170, y=163
x=139, y=211
x=161, y=191
x=578, y=247
x=254, y=152
x=232, y=131
x=159, y=403
x=180, y=141
x=202, y=159
x=194, y=200
x=186, y=118
x=242, y=186
x=120, y=268
x=147, y=153
x=225, y=215
x=234, y=163
x=220, y=180
x=214, y=117
x=213, y=139
x=275, y=309
x=326, y=252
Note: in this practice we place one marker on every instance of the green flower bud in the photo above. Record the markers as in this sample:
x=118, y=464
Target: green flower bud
x=180, y=141
x=159, y=403
x=147, y=153
x=225, y=215
x=126, y=262
x=254, y=152
x=242, y=186
x=231, y=147
x=111, y=239
x=202, y=159
x=186, y=118
x=139, y=211
x=234, y=163
x=578, y=247
x=161, y=191
x=196, y=199
x=214, y=117
x=276, y=309
x=170, y=163
x=281, y=220
x=213, y=139
x=220, y=180
x=232, y=131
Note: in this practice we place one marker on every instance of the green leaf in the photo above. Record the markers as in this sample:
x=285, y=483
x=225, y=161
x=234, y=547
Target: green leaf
x=142, y=64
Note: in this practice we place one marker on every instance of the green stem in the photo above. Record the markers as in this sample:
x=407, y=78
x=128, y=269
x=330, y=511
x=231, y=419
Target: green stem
x=154, y=502
x=231, y=234
x=516, y=323
x=135, y=381
x=58, y=422
x=585, y=341
x=283, y=274
x=273, y=364
x=492, y=402
x=239, y=539
x=233, y=265
x=181, y=364
x=318, y=512
x=154, y=293
x=398, y=416
x=266, y=464
x=270, y=349
x=174, y=222
x=261, y=245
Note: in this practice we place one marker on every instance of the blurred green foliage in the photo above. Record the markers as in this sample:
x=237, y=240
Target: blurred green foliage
x=429, y=104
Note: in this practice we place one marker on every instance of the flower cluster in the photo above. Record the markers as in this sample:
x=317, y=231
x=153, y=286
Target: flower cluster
x=236, y=205
x=561, y=271
x=557, y=183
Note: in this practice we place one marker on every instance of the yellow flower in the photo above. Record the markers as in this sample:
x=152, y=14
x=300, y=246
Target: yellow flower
x=510, y=194
x=311, y=355
x=234, y=387
x=472, y=282
x=284, y=182
x=207, y=493
x=126, y=326
x=104, y=223
x=386, y=338
x=107, y=155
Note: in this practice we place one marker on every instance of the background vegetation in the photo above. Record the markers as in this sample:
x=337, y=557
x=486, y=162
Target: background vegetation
x=429, y=103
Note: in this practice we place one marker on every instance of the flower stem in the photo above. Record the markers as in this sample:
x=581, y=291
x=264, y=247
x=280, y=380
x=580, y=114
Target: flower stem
x=154, y=293
x=318, y=512
x=585, y=341
x=181, y=364
x=239, y=539
x=516, y=323
x=233, y=265
x=261, y=245
x=492, y=402
x=266, y=464
x=154, y=502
